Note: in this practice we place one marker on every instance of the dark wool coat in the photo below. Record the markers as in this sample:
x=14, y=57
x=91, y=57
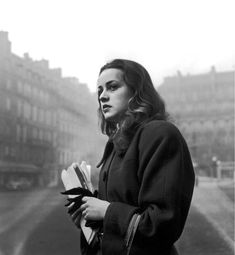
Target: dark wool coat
x=155, y=178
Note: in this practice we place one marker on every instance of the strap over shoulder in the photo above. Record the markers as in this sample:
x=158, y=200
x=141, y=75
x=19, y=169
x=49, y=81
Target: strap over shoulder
x=131, y=230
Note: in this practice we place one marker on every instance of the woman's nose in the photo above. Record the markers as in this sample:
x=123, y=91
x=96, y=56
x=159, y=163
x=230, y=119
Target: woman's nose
x=103, y=96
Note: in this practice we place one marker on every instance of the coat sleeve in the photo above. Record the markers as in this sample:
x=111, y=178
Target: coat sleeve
x=166, y=180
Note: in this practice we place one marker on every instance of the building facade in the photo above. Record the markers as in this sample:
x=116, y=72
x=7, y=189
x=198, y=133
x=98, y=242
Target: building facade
x=41, y=119
x=202, y=106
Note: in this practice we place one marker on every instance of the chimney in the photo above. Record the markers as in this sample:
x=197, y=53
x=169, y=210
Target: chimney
x=213, y=70
x=43, y=63
x=5, y=44
x=57, y=72
x=27, y=56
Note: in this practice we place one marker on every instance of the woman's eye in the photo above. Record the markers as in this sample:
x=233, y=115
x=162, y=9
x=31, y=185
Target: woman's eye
x=113, y=87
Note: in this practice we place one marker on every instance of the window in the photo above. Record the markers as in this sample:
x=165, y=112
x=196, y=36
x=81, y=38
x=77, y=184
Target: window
x=49, y=137
x=35, y=113
x=8, y=104
x=54, y=119
x=13, y=152
x=18, y=133
x=41, y=135
x=26, y=110
x=19, y=108
x=48, y=117
x=54, y=139
x=41, y=95
x=25, y=89
x=19, y=86
x=2, y=127
x=35, y=133
x=28, y=89
x=24, y=134
x=35, y=92
x=7, y=150
x=61, y=157
x=46, y=98
x=41, y=115
x=8, y=84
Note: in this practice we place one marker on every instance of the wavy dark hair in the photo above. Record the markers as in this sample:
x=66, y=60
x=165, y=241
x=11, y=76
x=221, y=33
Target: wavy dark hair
x=145, y=104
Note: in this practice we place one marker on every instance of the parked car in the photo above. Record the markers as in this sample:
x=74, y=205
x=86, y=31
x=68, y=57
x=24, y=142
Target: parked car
x=21, y=183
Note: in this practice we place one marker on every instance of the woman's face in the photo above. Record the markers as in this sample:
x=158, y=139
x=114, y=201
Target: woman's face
x=113, y=94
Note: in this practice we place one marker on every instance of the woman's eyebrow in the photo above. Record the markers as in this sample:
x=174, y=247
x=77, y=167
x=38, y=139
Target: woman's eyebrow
x=107, y=83
x=110, y=82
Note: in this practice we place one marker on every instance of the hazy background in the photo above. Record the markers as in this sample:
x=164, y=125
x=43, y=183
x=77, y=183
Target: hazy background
x=165, y=36
x=48, y=108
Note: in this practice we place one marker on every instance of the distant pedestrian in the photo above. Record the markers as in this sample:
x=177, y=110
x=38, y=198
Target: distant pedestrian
x=214, y=166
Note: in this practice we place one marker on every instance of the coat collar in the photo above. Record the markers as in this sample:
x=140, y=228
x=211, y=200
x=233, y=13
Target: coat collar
x=108, y=149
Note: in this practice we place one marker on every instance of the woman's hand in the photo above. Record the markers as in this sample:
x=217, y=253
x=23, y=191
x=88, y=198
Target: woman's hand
x=93, y=208
x=76, y=217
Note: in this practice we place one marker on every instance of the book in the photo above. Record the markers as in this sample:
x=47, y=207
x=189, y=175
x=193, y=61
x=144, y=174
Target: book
x=79, y=176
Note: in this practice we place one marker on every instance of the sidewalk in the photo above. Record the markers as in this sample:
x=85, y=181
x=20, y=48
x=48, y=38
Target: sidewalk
x=217, y=208
x=25, y=212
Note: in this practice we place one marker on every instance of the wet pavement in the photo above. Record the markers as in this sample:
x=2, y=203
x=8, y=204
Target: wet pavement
x=36, y=223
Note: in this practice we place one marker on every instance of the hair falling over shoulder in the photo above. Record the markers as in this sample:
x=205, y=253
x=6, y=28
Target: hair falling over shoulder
x=146, y=104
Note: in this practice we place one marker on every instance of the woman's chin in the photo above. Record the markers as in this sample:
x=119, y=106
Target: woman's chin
x=114, y=117
x=111, y=118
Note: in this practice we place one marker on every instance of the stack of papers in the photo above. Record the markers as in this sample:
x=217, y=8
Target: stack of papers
x=79, y=176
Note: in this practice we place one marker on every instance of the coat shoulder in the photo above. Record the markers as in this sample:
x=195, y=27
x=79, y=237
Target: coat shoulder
x=161, y=129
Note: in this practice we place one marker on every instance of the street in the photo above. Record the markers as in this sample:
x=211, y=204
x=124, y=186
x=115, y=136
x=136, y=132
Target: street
x=37, y=223
x=21, y=213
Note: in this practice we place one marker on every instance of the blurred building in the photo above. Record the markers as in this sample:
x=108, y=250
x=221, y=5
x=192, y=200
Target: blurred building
x=202, y=106
x=42, y=119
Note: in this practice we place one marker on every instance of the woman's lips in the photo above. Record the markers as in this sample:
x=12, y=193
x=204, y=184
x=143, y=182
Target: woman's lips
x=106, y=107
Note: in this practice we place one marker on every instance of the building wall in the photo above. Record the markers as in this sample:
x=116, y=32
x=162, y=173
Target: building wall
x=202, y=106
x=42, y=117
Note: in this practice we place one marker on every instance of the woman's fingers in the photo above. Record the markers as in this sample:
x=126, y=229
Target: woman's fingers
x=75, y=215
x=75, y=204
x=76, y=200
x=83, y=206
x=73, y=208
x=84, y=213
x=91, y=208
x=78, y=220
x=77, y=209
x=86, y=199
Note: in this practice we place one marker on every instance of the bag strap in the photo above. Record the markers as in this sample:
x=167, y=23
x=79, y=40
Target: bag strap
x=131, y=230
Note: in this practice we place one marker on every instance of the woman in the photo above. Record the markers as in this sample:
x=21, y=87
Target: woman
x=146, y=179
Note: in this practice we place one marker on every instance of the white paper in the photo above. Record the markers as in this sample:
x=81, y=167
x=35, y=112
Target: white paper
x=71, y=180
